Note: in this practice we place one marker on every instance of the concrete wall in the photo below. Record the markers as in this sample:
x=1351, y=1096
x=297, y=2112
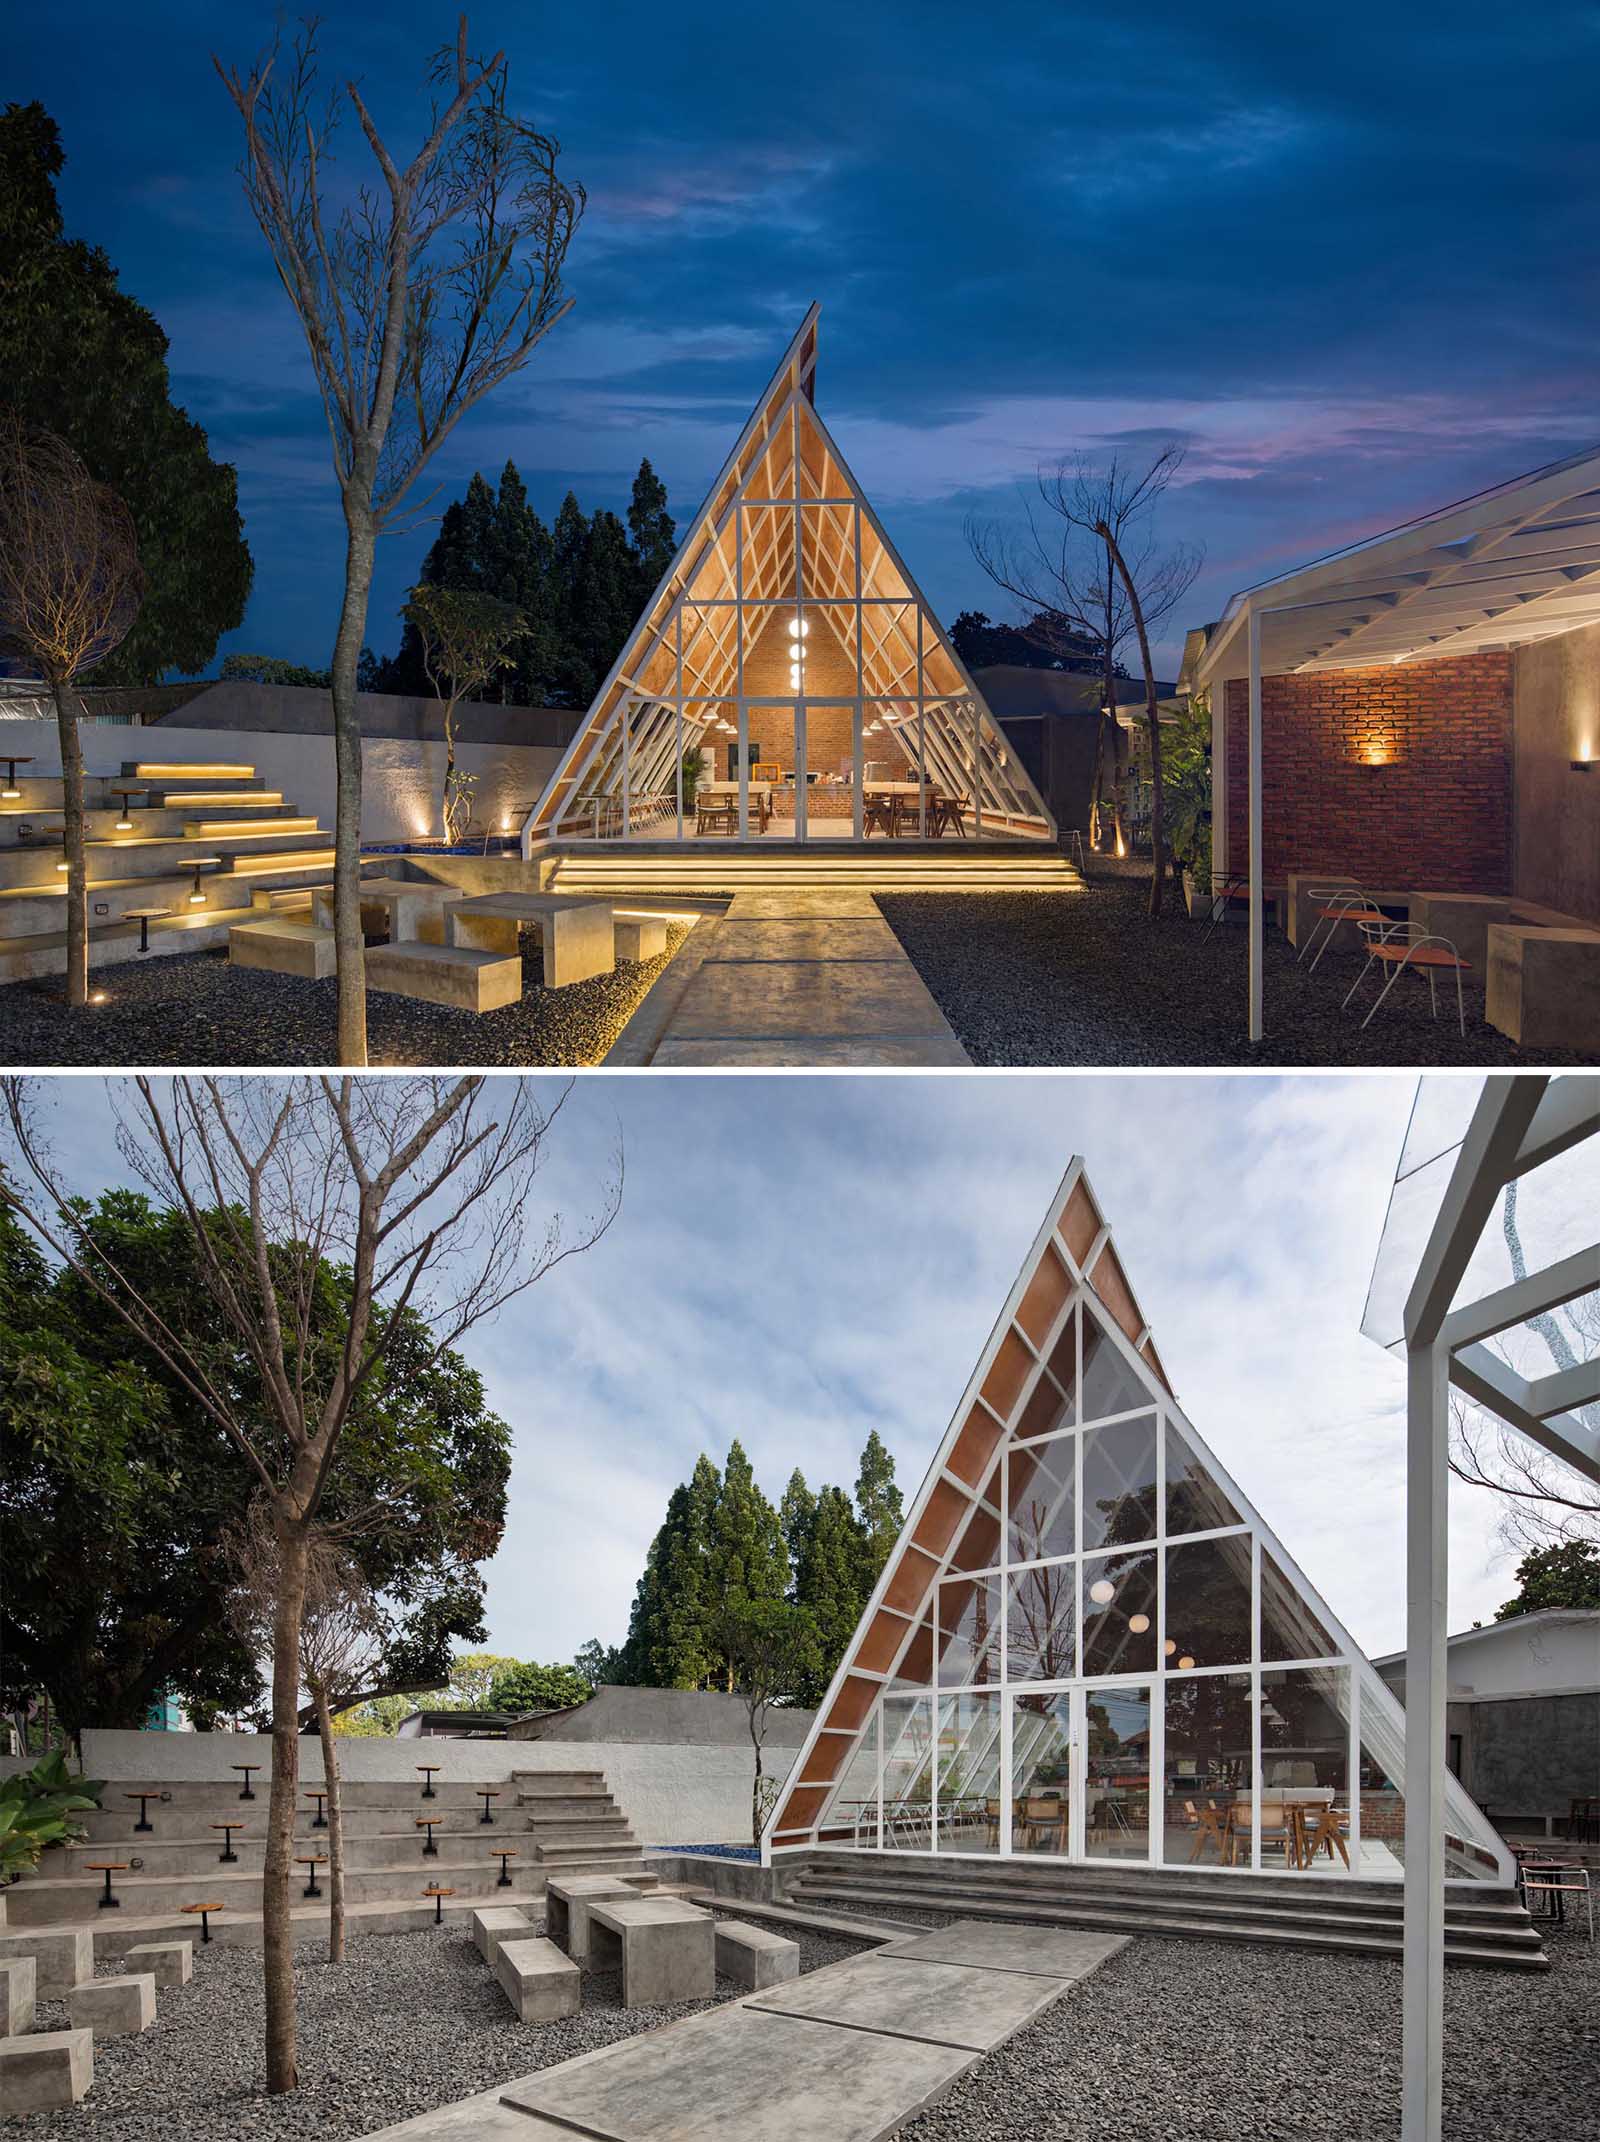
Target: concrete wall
x=400, y=790
x=686, y=1717
x=302, y=710
x=670, y=1795
x=1533, y=1754
x=1556, y=854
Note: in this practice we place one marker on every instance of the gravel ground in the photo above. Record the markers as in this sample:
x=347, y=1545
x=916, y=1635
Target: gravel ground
x=1087, y=978
x=193, y=1009
x=407, y=2022
x=1214, y=2041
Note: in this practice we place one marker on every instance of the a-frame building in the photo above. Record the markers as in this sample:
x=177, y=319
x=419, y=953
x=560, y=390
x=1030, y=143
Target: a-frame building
x=1087, y=1645
x=789, y=647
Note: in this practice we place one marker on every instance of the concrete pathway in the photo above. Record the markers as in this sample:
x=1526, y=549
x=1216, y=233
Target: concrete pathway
x=845, y=2054
x=809, y=977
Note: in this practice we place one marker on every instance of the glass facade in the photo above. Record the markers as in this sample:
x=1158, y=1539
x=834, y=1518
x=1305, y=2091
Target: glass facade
x=1116, y=1665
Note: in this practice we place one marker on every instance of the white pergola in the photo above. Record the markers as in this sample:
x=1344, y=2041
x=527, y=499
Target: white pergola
x=1507, y=568
x=1469, y=1303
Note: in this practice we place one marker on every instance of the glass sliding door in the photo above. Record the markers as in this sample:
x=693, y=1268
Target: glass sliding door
x=1041, y=1773
x=1116, y=1773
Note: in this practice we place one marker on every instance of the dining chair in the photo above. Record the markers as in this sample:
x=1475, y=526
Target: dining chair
x=1557, y=1880
x=877, y=813
x=1211, y=1825
x=1323, y=1829
x=1399, y=945
x=1334, y=900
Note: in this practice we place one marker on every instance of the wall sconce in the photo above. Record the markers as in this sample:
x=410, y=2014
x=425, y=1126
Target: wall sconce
x=1583, y=763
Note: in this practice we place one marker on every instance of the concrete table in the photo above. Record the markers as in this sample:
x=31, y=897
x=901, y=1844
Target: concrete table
x=566, y=1908
x=1543, y=986
x=576, y=932
x=413, y=912
x=1463, y=918
x=667, y=1950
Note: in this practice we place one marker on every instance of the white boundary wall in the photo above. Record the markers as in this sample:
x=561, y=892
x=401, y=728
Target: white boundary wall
x=671, y=1794
x=401, y=777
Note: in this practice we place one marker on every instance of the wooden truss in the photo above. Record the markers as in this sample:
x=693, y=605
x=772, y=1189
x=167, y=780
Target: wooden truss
x=1071, y=1294
x=785, y=544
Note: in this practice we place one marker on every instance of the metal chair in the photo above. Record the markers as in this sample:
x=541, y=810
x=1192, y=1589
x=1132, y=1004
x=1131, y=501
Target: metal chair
x=1539, y=1879
x=1399, y=945
x=1339, y=900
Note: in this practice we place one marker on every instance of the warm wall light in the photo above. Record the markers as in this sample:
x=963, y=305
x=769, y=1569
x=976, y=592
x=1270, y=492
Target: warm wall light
x=1584, y=762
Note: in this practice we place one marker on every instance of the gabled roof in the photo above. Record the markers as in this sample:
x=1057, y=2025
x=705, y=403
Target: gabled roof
x=1512, y=565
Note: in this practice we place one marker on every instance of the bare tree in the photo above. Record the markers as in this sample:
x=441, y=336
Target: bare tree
x=341, y=1646
x=466, y=636
x=418, y=1192
x=70, y=588
x=1089, y=563
x=416, y=300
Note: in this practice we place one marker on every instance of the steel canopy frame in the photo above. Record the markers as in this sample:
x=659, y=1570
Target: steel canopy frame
x=785, y=530
x=1520, y=1123
x=1072, y=1263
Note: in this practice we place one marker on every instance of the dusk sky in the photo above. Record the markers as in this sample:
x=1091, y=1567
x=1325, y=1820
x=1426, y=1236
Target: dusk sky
x=800, y=1260
x=1350, y=258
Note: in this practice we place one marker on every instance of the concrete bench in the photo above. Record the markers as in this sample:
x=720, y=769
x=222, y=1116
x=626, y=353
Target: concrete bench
x=666, y=1950
x=639, y=937
x=566, y=1908
x=114, y=2007
x=280, y=945
x=169, y=1963
x=575, y=932
x=1543, y=986
x=52, y=2068
x=453, y=975
x=411, y=912
x=753, y=1956
x=540, y=1983
x=495, y=1923
x=63, y=1957
x=18, y=1991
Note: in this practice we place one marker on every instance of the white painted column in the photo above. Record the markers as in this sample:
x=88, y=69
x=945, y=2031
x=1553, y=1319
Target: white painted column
x=627, y=769
x=1257, y=931
x=1427, y=1581
x=800, y=769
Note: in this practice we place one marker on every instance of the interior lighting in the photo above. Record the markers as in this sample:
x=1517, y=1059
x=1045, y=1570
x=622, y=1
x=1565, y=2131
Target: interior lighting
x=1138, y=1623
x=1185, y=1663
x=799, y=629
x=1169, y=1647
x=1102, y=1591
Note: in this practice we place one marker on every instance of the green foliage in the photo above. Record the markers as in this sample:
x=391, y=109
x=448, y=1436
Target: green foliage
x=36, y=1810
x=116, y=1486
x=694, y=766
x=1567, y=1575
x=1186, y=788
x=272, y=669
x=878, y=1505
x=829, y=1586
x=89, y=363
x=522, y=1688
x=472, y=1676
x=597, y=1663
x=576, y=588
x=379, y=1719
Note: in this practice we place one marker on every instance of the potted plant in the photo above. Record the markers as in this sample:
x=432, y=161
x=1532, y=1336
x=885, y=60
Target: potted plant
x=694, y=765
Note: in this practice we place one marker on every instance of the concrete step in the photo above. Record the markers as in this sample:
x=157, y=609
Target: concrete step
x=230, y=832
x=237, y=1928
x=220, y=1800
x=562, y=1807
x=600, y=1858
x=47, y=1901
x=174, y=772
x=198, y=1853
x=1195, y=1920
x=538, y=1782
x=42, y=953
x=606, y=1830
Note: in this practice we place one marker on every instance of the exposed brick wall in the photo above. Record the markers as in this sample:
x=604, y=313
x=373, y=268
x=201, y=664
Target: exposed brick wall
x=1438, y=815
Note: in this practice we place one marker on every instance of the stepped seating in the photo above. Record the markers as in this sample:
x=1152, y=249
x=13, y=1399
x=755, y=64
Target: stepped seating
x=576, y=1827
x=1488, y=1926
x=637, y=867
x=247, y=842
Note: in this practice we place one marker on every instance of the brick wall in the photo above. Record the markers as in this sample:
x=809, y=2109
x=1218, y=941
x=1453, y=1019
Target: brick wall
x=1437, y=813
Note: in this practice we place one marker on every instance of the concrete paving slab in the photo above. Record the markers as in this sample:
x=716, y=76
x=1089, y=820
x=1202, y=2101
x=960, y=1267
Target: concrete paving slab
x=937, y=2004
x=789, y=937
x=816, y=1050
x=866, y=1000
x=841, y=906
x=741, y=2072
x=482, y=2118
x=993, y=1945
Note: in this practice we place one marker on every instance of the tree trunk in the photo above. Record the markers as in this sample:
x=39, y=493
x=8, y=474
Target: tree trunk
x=277, y=1936
x=755, y=1791
x=1152, y=722
x=330, y=1778
x=72, y=843
x=349, y=949
x=445, y=805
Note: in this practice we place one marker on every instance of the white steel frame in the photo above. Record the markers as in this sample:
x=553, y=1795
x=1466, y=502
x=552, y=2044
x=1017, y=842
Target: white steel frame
x=1375, y=1719
x=1520, y=1123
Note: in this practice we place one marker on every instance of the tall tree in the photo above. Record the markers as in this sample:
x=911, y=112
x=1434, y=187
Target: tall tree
x=472, y=1675
x=772, y=1652
x=652, y=536
x=829, y=1586
x=466, y=639
x=70, y=589
x=797, y=1514
x=525, y=1687
x=86, y=361
x=748, y=1561
x=416, y=299
x=417, y=1192
x=1566, y=1575
x=878, y=1506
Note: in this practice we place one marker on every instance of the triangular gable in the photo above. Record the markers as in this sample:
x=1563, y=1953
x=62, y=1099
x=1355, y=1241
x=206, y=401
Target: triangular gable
x=785, y=531
x=1070, y=1352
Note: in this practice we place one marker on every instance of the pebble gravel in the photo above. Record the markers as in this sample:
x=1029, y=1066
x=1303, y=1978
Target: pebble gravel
x=408, y=2022
x=1069, y=978
x=192, y=1009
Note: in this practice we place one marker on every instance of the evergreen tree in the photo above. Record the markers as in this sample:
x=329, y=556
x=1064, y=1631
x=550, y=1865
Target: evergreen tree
x=652, y=535
x=85, y=360
x=797, y=1513
x=603, y=608
x=878, y=1507
x=748, y=1561
x=829, y=1585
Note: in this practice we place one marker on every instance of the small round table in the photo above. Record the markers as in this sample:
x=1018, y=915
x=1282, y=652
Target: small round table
x=11, y=791
x=430, y=1823
x=144, y=916
x=205, y=1910
x=144, y=1799
x=438, y=1895
x=486, y=1793
x=228, y=1856
x=108, y=1867
x=249, y=1770
x=320, y=1821
x=429, y=1772
x=312, y=1861
x=503, y=1853
x=125, y=789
